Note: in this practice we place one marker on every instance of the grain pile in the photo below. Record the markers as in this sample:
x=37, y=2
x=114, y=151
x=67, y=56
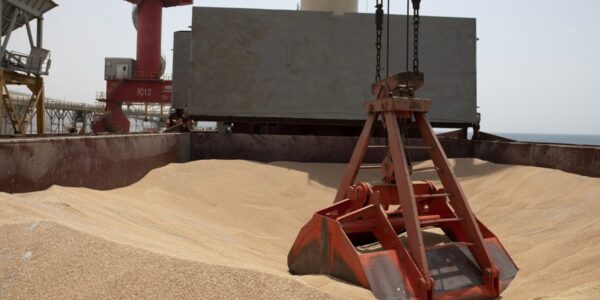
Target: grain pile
x=222, y=230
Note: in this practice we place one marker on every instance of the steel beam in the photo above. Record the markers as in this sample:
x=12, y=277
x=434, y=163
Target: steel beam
x=29, y=35
x=11, y=27
x=40, y=32
x=41, y=107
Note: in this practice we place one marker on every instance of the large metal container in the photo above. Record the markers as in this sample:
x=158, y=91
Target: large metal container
x=181, y=68
x=335, y=6
x=301, y=66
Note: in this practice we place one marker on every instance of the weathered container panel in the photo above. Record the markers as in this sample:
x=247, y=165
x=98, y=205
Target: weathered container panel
x=181, y=68
x=292, y=65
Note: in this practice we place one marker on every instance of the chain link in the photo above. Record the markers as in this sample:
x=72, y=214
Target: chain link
x=416, y=22
x=379, y=28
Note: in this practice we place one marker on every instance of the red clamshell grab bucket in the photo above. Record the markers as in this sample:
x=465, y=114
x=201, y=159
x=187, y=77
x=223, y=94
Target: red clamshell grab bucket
x=326, y=246
x=360, y=238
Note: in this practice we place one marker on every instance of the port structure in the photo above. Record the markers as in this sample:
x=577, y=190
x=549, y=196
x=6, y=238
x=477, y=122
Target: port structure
x=60, y=116
x=138, y=81
x=67, y=118
x=17, y=69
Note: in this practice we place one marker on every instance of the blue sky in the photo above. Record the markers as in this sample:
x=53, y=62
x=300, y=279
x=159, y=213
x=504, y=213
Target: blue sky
x=538, y=60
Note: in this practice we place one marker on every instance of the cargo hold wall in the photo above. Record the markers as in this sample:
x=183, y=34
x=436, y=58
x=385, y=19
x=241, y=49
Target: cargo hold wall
x=98, y=162
x=107, y=162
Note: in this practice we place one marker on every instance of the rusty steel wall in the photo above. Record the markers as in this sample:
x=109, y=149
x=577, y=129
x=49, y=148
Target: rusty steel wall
x=582, y=160
x=106, y=162
x=99, y=162
x=328, y=149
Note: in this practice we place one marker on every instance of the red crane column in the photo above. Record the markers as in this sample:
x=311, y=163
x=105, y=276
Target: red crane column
x=146, y=85
x=149, y=34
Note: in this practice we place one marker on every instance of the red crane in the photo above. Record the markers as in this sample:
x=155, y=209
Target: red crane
x=142, y=82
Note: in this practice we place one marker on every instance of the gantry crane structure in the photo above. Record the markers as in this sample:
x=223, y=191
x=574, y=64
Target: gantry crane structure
x=23, y=69
x=138, y=81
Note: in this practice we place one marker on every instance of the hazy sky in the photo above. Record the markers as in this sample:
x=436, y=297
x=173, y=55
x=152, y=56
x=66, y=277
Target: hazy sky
x=538, y=60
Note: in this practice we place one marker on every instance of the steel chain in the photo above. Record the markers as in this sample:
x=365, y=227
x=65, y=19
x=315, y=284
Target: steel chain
x=416, y=22
x=379, y=28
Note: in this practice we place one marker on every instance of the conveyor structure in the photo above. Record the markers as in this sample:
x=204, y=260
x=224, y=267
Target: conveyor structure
x=23, y=69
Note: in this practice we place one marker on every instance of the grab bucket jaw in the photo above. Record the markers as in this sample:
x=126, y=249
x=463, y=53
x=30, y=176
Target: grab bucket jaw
x=323, y=246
